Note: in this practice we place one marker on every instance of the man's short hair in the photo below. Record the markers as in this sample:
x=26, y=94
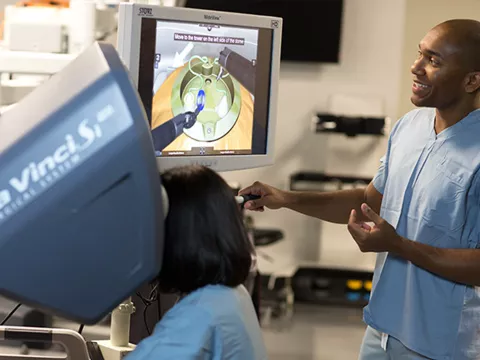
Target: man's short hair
x=205, y=239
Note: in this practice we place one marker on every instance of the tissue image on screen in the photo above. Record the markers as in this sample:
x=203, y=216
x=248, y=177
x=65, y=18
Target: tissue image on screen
x=204, y=74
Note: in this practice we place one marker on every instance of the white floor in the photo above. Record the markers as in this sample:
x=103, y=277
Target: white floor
x=318, y=333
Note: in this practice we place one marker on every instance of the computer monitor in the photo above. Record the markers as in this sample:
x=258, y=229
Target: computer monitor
x=208, y=80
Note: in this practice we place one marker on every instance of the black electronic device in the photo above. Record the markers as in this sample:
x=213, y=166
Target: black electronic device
x=312, y=29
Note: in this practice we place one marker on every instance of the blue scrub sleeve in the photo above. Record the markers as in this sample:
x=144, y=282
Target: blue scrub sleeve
x=380, y=178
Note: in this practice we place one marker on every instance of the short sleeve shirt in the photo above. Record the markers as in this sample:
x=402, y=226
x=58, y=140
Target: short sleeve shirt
x=431, y=191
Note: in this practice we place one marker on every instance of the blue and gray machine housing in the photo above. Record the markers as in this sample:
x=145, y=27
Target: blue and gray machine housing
x=81, y=217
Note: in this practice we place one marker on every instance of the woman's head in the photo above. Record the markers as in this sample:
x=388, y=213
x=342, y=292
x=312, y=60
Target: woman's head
x=205, y=240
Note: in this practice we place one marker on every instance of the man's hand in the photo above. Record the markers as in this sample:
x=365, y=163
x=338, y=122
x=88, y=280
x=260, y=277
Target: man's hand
x=382, y=237
x=457, y=265
x=270, y=197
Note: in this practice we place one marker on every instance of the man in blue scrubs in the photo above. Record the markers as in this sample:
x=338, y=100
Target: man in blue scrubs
x=424, y=209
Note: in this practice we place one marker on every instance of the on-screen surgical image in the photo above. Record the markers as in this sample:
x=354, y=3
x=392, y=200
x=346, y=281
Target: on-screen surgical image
x=204, y=75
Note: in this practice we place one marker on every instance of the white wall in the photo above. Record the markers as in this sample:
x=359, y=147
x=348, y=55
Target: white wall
x=4, y=3
x=370, y=66
x=419, y=20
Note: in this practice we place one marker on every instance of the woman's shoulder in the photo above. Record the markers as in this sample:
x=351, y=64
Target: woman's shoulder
x=210, y=310
x=213, y=299
x=213, y=294
x=182, y=335
x=221, y=291
x=215, y=304
x=216, y=319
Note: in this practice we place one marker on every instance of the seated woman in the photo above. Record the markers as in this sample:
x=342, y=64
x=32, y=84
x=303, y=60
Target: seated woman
x=206, y=259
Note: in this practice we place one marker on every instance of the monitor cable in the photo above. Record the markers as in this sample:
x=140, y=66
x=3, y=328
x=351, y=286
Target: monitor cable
x=153, y=297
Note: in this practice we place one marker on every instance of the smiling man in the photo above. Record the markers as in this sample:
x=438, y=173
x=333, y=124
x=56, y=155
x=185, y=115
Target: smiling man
x=424, y=203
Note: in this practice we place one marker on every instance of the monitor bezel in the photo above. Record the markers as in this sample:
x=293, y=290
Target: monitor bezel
x=128, y=45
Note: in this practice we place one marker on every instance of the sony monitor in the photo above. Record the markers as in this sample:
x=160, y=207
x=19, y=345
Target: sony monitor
x=208, y=80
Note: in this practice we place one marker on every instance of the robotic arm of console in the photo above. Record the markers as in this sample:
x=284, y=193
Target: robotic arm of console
x=241, y=68
x=167, y=132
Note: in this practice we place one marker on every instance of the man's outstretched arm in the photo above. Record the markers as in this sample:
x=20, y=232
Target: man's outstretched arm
x=332, y=206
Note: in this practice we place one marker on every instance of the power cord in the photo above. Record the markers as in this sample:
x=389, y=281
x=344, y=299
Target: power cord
x=10, y=315
x=153, y=297
x=145, y=319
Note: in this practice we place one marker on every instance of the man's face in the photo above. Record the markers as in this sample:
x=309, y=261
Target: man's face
x=438, y=73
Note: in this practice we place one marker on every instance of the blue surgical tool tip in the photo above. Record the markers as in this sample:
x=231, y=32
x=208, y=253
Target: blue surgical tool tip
x=200, y=100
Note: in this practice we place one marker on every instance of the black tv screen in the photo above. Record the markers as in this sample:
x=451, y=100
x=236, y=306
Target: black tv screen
x=311, y=28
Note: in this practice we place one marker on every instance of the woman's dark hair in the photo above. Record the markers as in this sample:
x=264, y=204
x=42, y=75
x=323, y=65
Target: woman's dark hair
x=205, y=239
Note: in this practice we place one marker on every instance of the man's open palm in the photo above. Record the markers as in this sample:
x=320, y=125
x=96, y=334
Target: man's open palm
x=377, y=238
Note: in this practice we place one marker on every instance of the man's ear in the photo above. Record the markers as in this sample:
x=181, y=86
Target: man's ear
x=472, y=82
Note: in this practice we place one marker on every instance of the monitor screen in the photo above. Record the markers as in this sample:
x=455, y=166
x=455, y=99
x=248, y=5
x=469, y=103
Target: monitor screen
x=208, y=83
x=212, y=74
